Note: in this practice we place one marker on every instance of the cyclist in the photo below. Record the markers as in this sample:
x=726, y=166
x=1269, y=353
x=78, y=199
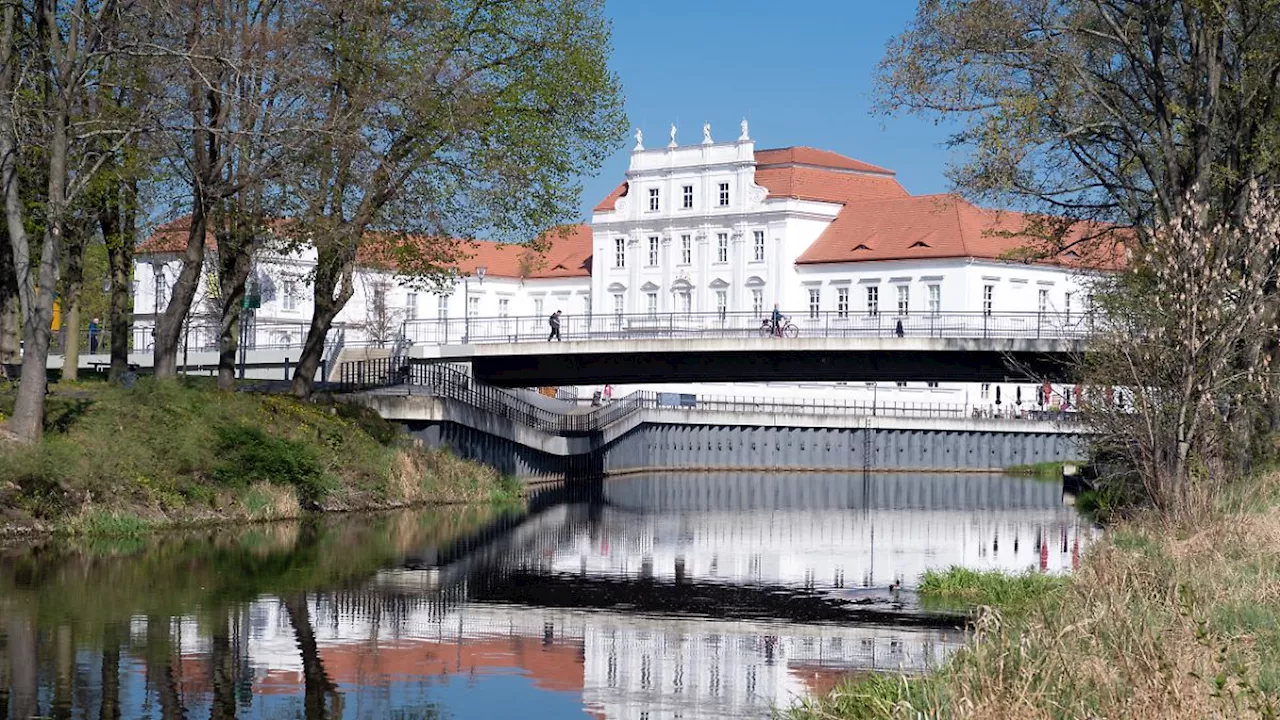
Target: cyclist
x=777, y=321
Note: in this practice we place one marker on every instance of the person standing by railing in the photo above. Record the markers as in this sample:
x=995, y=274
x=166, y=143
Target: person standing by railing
x=776, y=319
x=94, y=330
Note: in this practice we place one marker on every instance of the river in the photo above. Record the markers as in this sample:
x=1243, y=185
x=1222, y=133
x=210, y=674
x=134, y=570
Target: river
x=646, y=597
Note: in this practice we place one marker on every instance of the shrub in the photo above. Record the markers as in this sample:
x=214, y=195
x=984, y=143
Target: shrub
x=250, y=455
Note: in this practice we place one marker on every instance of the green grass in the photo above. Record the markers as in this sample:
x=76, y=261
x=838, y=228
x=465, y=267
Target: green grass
x=957, y=586
x=871, y=696
x=1042, y=471
x=182, y=451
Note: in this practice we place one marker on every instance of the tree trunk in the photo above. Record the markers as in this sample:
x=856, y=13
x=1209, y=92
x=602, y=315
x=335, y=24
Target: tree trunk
x=333, y=288
x=316, y=682
x=71, y=338
x=234, y=263
x=170, y=323
x=116, y=218
x=10, y=310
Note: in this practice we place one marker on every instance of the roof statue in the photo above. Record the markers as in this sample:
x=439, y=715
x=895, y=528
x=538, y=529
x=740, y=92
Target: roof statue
x=639, y=139
x=706, y=133
x=743, y=137
x=673, y=136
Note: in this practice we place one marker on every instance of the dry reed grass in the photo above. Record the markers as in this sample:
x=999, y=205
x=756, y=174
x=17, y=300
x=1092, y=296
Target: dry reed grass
x=1164, y=619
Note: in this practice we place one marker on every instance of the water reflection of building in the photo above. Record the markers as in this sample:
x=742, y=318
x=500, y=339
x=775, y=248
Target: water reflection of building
x=624, y=666
x=823, y=530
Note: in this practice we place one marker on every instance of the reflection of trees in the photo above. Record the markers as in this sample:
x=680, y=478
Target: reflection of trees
x=220, y=660
x=316, y=682
x=160, y=675
x=22, y=665
x=110, y=708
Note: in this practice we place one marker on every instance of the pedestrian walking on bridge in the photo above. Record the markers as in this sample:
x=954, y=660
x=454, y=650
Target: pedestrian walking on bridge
x=554, y=320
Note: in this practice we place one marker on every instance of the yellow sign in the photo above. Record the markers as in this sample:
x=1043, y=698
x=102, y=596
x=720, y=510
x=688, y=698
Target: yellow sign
x=57, y=316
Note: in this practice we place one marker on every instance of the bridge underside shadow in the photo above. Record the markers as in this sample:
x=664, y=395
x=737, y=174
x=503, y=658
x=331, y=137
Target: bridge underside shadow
x=754, y=366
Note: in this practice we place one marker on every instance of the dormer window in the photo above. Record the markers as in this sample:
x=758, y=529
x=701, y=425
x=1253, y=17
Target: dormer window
x=724, y=194
x=919, y=244
x=653, y=200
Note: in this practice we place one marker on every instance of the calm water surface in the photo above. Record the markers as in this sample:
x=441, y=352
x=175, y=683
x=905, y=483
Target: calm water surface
x=663, y=596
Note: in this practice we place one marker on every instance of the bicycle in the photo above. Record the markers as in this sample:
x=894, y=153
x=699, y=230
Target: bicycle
x=786, y=328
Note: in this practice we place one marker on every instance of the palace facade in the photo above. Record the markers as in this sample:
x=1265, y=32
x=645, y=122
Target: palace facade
x=710, y=227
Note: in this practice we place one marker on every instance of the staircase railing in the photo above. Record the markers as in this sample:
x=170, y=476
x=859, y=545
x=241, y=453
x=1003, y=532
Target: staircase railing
x=445, y=381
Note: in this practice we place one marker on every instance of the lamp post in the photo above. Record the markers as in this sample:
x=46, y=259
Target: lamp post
x=157, y=272
x=466, y=303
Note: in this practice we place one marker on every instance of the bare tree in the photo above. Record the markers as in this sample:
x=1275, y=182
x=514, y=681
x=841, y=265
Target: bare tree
x=381, y=320
x=1180, y=371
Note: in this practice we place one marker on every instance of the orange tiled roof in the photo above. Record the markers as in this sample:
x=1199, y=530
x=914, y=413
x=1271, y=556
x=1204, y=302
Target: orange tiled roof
x=801, y=155
x=606, y=205
x=929, y=226
x=567, y=252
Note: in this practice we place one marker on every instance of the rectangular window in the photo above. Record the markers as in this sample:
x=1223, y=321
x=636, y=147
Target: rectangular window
x=653, y=251
x=932, y=383
x=442, y=307
x=901, y=383
x=935, y=299
x=537, y=307
x=722, y=302
x=686, y=301
x=722, y=247
x=473, y=306
x=724, y=194
x=411, y=306
x=586, y=306
x=686, y=249
x=504, y=306
x=904, y=299
x=619, y=305
x=1066, y=306
x=688, y=196
x=873, y=301
x=757, y=301
x=291, y=295
x=986, y=391
x=651, y=302
x=815, y=303
x=759, y=246
x=1042, y=305
x=988, y=298
x=842, y=302
x=619, y=252
x=653, y=199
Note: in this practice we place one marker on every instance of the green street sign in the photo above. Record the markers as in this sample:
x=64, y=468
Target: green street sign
x=251, y=301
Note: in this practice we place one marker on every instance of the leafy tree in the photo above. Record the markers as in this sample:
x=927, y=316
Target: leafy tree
x=1113, y=110
x=459, y=118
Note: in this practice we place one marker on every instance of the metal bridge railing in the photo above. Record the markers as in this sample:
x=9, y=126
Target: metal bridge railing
x=446, y=381
x=476, y=330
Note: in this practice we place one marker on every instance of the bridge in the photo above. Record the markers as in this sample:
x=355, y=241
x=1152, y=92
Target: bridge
x=687, y=347
x=741, y=347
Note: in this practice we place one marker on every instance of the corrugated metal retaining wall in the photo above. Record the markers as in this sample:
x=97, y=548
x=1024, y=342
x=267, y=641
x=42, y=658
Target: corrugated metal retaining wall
x=701, y=447
x=718, y=446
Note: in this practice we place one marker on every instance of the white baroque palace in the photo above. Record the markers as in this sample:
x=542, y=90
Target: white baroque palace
x=712, y=227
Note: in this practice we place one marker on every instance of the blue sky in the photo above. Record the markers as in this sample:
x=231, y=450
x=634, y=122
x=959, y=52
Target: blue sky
x=800, y=71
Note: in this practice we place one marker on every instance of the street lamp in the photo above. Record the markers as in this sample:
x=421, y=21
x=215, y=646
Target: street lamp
x=466, y=303
x=157, y=272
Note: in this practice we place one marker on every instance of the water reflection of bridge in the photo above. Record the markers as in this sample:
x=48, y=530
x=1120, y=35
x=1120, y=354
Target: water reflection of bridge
x=812, y=530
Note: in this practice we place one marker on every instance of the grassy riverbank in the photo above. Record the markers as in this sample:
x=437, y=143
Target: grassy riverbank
x=117, y=461
x=1041, y=471
x=1162, y=620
